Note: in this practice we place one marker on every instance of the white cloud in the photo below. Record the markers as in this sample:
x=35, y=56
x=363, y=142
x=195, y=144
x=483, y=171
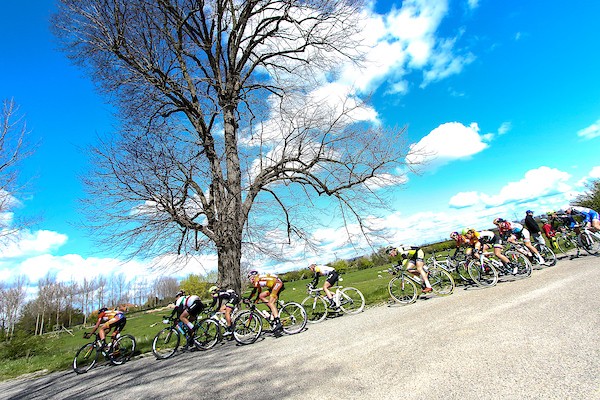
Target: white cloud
x=593, y=175
x=536, y=183
x=591, y=131
x=32, y=243
x=504, y=128
x=473, y=4
x=447, y=142
x=464, y=199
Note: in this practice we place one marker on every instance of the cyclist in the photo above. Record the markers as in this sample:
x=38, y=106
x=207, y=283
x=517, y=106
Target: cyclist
x=533, y=227
x=590, y=217
x=225, y=301
x=187, y=308
x=108, y=319
x=549, y=232
x=411, y=258
x=512, y=231
x=461, y=241
x=481, y=241
x=330, y=280
x=273, y=286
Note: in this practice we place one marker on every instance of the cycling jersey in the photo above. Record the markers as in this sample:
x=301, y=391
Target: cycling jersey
x=269, y=281
x=587, y=213
x=110, y=314
x=229, y=297
x=486, y=238
x=113, y=319
x=192, y=304
x=323, y=270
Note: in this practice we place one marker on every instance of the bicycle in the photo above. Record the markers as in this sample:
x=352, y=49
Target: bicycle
x=249, y=324
x=219, y=318
x=546, y=252
x=120, y=350
x=166, y=342
x=347, y=299
x=485, y=270
x=456, y=264
x=588, y=240
x=403, y=287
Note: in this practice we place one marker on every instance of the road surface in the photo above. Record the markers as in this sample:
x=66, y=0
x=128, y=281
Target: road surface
x=536, y=338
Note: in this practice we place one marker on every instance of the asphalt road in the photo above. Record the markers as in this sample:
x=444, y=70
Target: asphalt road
x=536, y=338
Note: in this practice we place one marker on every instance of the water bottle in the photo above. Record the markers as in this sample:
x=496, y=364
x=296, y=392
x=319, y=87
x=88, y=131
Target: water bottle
x=181, y=327
x=266, y=314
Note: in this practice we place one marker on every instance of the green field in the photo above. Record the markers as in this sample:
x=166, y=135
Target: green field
x=55, y=352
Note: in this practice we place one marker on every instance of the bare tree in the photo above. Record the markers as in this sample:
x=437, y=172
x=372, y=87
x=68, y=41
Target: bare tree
x=220, y=117
x=11, y=303
x=14, y=148
x=165, y=287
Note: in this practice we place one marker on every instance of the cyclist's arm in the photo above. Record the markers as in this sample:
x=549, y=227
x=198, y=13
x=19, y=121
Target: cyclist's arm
x=315, y=280
x=96, y=326
x=254, y=290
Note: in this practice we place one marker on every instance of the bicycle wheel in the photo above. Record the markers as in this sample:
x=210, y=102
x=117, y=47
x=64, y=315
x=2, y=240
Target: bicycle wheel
x=589, y=243
x=207, y=334
x=85, y=358
x=403, y=290
x=123, y=349
x=483, y=275
x=165, y=343
x=293, y=318
x=352, y=300
x=441, y=281
x=247, y=327
x=548, y=255
x=463, y=272
x=521, y=262
x=316, y=309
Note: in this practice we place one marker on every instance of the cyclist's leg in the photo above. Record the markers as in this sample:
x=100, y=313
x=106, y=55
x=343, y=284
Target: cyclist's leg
x=329, y=282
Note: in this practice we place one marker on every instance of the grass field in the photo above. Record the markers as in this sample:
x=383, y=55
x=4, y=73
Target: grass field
x=55, y=352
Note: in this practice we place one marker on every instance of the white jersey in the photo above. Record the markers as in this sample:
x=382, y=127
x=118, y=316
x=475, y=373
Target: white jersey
x=186, y=301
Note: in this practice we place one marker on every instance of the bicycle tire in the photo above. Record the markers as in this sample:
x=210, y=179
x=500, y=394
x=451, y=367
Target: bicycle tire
x=293, y=318
x=247, y=327
x=122, y=349
x=548, y=255
x=316, y=309
x=207, y=334
x=524, y=266
x=589, y=243
x=85, y=358
x=441, y=281
x=463, y=272
x=352, y=300
x=165, y=343
x=485, y=276
x=403, y=290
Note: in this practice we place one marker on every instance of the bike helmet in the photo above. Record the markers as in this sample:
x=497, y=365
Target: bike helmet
x=528, y=212
x=103, y=309
x=213, y=289
x=252, y=273
x=311, y=266
x=389, y=249
x=454, y=235
x=498, y=220
x=469, y=230
x=180, y=293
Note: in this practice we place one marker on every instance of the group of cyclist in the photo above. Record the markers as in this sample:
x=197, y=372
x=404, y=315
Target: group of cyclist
x=267, y=287
x=475, y=242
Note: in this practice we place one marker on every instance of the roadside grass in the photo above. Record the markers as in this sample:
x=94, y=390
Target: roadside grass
x=55, y=351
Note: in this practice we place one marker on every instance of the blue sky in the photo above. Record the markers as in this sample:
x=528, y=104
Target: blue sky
x=505, y=94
